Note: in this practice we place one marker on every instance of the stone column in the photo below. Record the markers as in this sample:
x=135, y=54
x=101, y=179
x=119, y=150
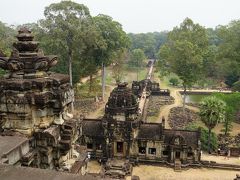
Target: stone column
x=172, y=155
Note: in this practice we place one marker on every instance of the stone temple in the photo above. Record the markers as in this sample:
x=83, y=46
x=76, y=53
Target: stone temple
x=34, y=107
x=37, y=130
x=122, y=139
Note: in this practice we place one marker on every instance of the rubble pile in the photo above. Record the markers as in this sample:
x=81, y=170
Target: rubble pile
x=179, y=120
x=156, y=102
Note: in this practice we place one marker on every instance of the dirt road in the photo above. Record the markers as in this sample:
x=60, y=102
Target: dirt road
x=165, y=110
x=100, y=111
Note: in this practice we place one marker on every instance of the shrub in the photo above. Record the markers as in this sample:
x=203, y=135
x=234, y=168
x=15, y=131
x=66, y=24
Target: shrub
x=236, y=86
x=174, y=81
x=204, y=137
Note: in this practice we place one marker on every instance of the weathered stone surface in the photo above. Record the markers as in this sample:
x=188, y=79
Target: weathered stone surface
x=179, y=120
x=122, y=101
x=156, y=102
x=30, y=96
x=35, y=102
x=121, y=138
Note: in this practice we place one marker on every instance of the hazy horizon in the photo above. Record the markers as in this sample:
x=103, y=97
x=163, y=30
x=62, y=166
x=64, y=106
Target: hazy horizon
x=136, y=16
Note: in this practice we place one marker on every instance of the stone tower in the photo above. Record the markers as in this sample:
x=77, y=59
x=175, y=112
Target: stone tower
x=120, y=122
x=34, y=102
x=31, y=97
x=122, y=104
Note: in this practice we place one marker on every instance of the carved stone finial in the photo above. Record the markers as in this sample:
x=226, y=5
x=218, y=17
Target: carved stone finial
x=26, y=60
x=24, y=34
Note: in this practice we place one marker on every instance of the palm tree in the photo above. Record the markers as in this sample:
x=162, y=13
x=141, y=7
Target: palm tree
x=212, y=112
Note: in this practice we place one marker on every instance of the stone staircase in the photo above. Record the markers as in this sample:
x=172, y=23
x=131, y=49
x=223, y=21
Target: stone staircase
x=117, y=168
x=177, y=165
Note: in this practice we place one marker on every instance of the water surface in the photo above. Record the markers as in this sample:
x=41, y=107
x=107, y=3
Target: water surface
x=195, y=98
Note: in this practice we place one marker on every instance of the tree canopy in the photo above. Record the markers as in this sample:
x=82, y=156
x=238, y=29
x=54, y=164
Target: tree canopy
x=114, y=39
x=136, y=58
x=149, y=43
x=233, y=106
x=79, y=39
x=184, y=51
x=67, y=23
x=229, y=52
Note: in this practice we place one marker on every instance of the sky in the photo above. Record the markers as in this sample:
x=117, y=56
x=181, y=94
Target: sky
x=136, y=16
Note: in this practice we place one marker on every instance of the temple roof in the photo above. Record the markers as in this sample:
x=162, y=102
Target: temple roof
x=190, y=137
x=150, y=131
x=92, y=127
x=122, y=100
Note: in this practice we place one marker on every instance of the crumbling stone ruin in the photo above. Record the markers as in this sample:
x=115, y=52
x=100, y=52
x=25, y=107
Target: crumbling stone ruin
x=121, y=136
x=32, y=97
x=34, y=104
x=152, y=88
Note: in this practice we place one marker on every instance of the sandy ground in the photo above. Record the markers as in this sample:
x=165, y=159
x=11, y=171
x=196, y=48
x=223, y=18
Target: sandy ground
x=163, y=173
x=94, y=167
x=148, y=172
x=220, y=159
x=85, y=79
x=165, y=110
x=235, y=129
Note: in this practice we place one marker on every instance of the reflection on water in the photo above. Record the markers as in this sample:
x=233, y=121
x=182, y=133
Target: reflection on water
x=195, y=98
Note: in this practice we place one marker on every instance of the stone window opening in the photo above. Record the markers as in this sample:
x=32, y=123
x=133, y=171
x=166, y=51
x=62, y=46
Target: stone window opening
x=120, y=147
x=165, y=153
x=89, y=145
x=142, y=150
x=98, y=147
x=152, y=151
x=190, y=154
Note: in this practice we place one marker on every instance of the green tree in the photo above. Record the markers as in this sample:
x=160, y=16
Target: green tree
x=212, y=111
x=233, y=106
x=148, y=42
x=204, y=137
x=6, y=38
x=89, y=59
x=183, y=53
x=137, y=57
x=66, y=24
x=118, y=65
x=115, y=40
x=174, y=81
x=229, y=52
x=145, y=42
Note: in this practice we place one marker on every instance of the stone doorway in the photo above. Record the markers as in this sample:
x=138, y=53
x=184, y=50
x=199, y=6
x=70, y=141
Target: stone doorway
x=177, y=155
x=120, y=147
